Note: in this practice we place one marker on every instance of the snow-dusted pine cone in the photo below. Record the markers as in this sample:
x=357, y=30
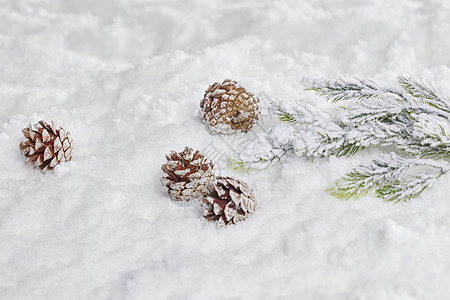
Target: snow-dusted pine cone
x=229, y=201
x=188, y=174
x=228, y=107
x=46, y=145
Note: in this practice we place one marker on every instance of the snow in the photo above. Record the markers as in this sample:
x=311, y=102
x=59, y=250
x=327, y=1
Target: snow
x=125, y=78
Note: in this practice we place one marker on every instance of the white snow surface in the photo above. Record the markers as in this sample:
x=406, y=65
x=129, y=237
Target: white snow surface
x=126, y=79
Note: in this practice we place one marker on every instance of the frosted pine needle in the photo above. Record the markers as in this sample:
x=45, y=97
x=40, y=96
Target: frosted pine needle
x=414, y=118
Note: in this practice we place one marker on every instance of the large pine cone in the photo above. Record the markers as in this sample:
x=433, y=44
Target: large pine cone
x=46, y=145
x=228, y=107
x=228, y=202
x=188, y=174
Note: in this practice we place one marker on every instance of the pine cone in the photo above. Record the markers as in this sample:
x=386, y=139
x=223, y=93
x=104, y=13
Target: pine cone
x=188, y=174
x=46, y=145
x=228, y=202
x=228, y=107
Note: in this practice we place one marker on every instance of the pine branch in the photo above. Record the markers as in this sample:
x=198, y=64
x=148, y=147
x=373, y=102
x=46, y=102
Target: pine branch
x=346, y=139
x=391, y=178
x=310, y=141
x=385, y=109
x=267, y=148
x=297, y=112
x=416, y=120
x=324, y=145
x=408, y=135
x=339, y=88
x=391, y=118
x=235, y=163
x=289, y=118
x=425, y=93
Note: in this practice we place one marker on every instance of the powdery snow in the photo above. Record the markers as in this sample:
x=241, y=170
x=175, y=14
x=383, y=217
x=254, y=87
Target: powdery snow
x=125, y=78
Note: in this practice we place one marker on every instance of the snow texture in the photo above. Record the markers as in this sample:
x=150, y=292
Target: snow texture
x=125, y=78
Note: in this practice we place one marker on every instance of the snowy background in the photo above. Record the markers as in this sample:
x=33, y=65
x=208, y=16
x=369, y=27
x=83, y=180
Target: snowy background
x=126, y=79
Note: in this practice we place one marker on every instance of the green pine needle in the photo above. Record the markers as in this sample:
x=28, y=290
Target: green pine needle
x=288, y=118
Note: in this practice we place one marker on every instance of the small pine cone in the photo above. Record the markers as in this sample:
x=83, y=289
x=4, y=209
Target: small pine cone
x=188, y=174
x=228, y=202
x=46, y=145
x=227, y=108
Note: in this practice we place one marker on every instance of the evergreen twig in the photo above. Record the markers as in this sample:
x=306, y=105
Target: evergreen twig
x=389, y=177
x=415, y=119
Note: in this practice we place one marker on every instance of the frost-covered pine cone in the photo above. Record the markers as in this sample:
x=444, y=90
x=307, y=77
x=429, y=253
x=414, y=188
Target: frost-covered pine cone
x=46, y=145
x=229, y=107
x=188, y=174
x=229, y=201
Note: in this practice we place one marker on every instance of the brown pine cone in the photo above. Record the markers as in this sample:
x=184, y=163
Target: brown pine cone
x=46, y=145
x=188, y=174
x=227, y=108
x=229, y=201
